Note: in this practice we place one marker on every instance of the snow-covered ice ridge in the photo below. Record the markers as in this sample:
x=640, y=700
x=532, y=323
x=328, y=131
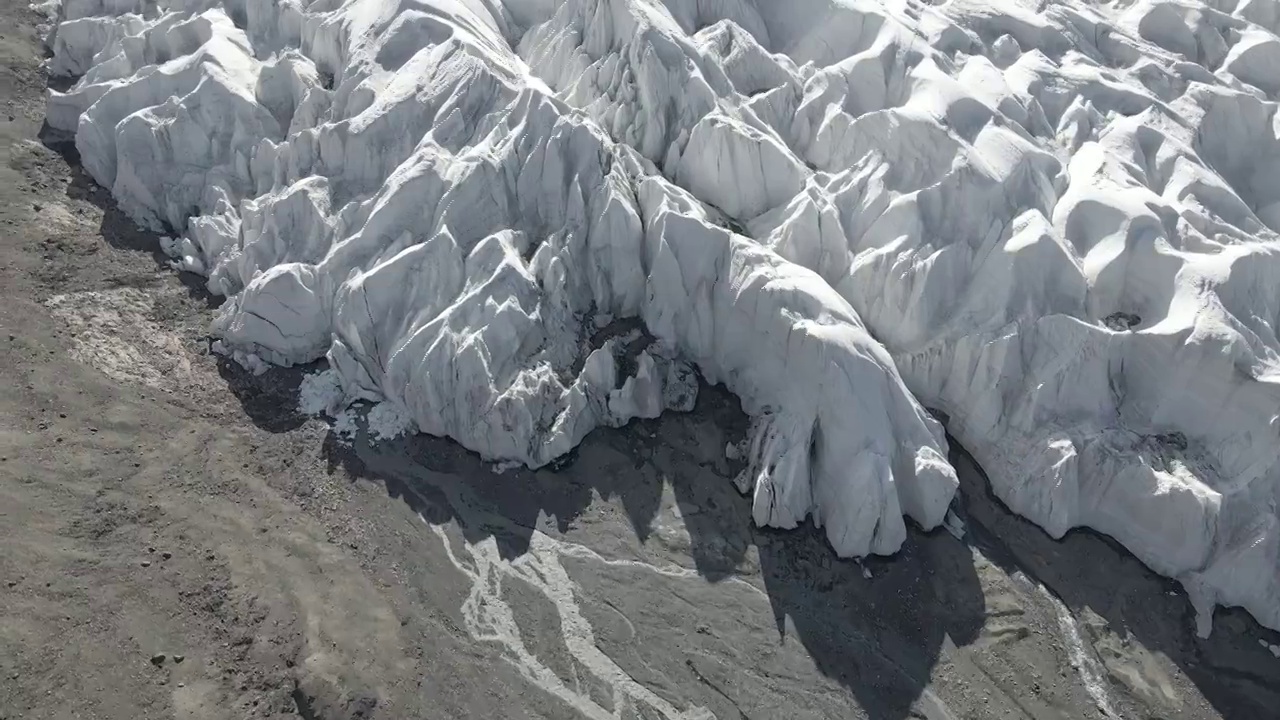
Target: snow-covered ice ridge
x=516, y=220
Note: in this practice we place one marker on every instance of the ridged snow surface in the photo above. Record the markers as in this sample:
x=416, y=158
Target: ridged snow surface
x=513, y=221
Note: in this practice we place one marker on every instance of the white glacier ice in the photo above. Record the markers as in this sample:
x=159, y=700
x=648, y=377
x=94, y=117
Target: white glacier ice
x=512, y=221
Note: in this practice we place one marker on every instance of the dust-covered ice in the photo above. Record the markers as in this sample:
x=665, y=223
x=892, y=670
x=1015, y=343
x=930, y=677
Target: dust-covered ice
x=513, y=221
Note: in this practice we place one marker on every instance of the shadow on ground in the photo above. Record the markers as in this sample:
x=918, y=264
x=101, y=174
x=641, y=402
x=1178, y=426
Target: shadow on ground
x=271, y=399
x=879, y=640
x=1117, y=599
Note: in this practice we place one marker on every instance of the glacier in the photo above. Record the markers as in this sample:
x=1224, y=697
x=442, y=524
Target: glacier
x=1053, y=226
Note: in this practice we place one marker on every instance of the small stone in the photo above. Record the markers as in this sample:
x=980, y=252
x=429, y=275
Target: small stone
x=36, y=206
x=146, y=563
x=93, y=429
x=179, y=658
x=62, y=415
x=151, y=549
x=158, y=659
x=166, y=555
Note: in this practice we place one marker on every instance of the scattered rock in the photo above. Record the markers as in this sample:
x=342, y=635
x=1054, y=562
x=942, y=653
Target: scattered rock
x=1174, y=440
x=166, y=555
x=1121, y=321
x=363, y=707
x=146, y=563
x=158, y=659
x=179, y=658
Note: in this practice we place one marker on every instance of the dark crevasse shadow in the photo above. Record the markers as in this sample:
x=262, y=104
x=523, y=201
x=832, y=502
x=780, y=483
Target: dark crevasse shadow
x=878, y=639
x=1117, y=602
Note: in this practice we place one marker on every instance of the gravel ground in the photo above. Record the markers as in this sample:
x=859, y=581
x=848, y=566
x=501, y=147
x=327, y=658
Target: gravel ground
x=179, y=542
